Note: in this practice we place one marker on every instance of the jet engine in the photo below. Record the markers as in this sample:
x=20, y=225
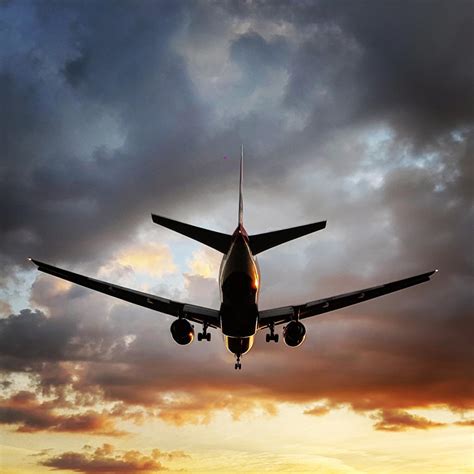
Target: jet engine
x=182, y=331
x=294, y=334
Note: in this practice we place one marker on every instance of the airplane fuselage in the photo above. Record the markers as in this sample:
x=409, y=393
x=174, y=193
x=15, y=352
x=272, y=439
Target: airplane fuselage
x=239, y=283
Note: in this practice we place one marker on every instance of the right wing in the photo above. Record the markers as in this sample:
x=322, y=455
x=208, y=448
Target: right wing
x=313, y=308
x=198, y=314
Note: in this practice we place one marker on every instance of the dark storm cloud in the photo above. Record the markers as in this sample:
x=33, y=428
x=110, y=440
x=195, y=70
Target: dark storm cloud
x=101, y=119
x=258, y=58
x=31, y=335
x=107, y=69
x=416, y=62
x=383, y=60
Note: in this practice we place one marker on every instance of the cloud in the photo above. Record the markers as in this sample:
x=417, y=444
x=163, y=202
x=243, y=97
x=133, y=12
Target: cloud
x=31, y=336
x=200, y=408
x=104, y=148
x=399, y=420
x=30, y=416
x=152, y=258
x=111, y=357
x=5, y=307
x=318, y=410
x=365, y=119
x=465, y=422
x=205, y=262
x=76, y=128
x=107, y=459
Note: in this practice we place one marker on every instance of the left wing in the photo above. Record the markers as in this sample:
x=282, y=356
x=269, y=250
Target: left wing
x=313, y=308
x=197, y=314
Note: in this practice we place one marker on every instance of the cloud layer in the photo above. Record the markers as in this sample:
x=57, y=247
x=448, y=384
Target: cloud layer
x=360, y=116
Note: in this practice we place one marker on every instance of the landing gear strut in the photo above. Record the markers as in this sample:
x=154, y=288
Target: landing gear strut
x=204, y=334
x=238, y=365
x=272, y=336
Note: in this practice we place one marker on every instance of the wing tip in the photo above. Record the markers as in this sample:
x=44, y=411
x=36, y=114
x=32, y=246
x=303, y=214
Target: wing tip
x=39, y=264
x=429, y=275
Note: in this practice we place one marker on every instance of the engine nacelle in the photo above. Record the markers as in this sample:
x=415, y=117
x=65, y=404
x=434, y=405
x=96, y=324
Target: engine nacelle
x=182, y=331
x=294, y=334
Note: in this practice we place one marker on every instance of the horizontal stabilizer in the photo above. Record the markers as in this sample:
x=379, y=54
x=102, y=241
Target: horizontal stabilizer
x=216, y=240
x=268, y=240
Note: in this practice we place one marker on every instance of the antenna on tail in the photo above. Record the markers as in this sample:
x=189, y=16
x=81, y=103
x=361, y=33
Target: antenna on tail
x=241, y=200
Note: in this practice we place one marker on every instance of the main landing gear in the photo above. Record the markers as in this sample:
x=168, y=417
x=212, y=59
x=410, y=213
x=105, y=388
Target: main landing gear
x=204, y=334
x=238, y=365
x=272, y=336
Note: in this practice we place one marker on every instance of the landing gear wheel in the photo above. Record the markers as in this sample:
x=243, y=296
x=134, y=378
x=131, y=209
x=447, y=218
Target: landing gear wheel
x=238, y=365
x=272, y=336
x=204, y=334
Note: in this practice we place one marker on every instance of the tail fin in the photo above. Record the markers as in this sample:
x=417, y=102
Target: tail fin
x=241, y=199
x=216, y=240
x=268, y=240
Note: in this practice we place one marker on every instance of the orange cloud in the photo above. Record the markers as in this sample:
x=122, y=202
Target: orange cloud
x=153, y=258
x=427, y=366
x=199, y=408
x=399, y=420
x=465, y=422
x=205, y=262
x=318, y=410
x=30, y=416
x=106, y=460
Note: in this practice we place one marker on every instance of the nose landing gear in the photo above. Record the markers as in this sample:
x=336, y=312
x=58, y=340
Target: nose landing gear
x=238, y=365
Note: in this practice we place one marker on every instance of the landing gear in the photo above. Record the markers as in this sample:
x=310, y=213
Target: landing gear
x=272, y=336
x=238, y=365
x=204, y=334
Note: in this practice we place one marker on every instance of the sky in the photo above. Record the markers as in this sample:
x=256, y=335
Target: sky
x=361, y=113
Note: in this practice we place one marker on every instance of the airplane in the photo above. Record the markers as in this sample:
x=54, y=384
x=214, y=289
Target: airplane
x=238, y=317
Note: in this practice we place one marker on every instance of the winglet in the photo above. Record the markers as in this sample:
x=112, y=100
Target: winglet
x=241, y=200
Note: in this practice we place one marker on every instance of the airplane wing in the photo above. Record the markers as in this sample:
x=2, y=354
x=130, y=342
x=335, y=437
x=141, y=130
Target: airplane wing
x=314, y=308
x=197, y=314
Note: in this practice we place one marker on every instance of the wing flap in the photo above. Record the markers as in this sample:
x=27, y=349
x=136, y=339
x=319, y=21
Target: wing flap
x=325, y=305
x=194, y=313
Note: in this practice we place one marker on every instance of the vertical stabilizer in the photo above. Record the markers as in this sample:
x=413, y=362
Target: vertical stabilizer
x=241, y=200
